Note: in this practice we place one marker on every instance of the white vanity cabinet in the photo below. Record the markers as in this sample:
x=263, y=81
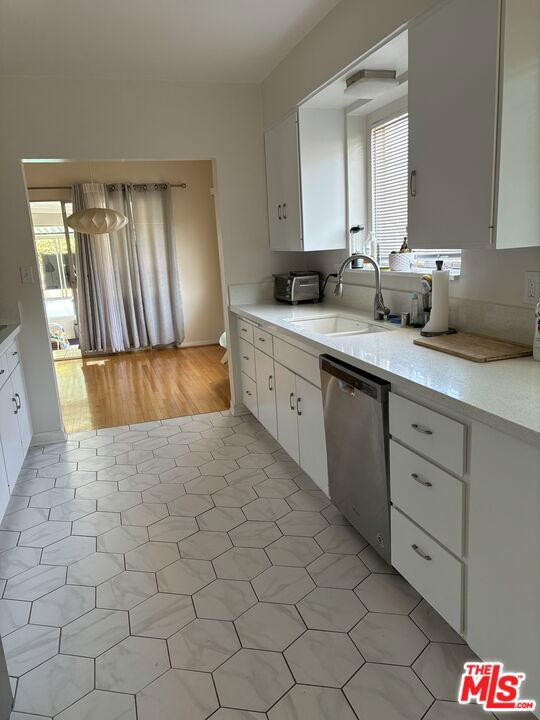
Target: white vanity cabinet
x=266, y=391
x=474, y=145
x=306, y=181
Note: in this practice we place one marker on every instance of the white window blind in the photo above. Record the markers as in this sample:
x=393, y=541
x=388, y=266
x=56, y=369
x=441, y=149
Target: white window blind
x=389, y=189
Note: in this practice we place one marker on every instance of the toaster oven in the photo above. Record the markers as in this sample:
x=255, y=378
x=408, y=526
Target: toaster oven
x=297, y=286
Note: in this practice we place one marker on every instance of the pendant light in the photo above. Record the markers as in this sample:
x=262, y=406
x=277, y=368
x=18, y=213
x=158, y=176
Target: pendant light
x=96, y=220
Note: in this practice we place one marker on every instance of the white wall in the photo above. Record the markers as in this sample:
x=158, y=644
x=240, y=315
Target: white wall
x=194, y=221
x=85, y=119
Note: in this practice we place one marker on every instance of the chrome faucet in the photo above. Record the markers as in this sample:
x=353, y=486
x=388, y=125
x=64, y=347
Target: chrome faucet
x=379, y=308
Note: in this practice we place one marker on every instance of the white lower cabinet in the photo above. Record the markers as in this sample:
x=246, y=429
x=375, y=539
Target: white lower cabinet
x=4, y=487
x=9, y=432
x=286, y=411
x=266, y=391
x=311, y=435
x=23, y=414
x=249, y=394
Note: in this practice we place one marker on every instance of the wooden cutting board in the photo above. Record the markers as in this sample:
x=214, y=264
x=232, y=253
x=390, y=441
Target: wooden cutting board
x=474, y=347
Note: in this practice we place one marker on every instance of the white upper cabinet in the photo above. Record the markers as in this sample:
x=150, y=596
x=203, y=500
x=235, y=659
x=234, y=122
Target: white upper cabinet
x=518, y=211
x=306, y=181
x=453, y=58
x=474, y=125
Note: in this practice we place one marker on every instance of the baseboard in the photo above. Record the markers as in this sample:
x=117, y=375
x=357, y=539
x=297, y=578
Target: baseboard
x=239, y=409
x=48, y=438
x=199, y=343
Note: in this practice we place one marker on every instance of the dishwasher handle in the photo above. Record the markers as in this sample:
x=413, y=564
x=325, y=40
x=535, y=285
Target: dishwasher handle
x=356, y=380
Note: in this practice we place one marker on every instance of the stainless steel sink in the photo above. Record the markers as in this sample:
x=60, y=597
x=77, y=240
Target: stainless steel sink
x=336, y=326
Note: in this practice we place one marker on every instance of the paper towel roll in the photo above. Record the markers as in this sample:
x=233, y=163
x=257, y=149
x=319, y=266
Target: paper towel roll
x=438, y=319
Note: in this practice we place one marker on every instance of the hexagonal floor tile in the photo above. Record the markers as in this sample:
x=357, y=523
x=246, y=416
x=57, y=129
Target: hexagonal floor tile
x=8, y=539
x=230, y=452
x=192, y=691
x=315, y=703
x=218, y=467
x=433, y=625
x=228, y=714
x=387, y=593
x=95, y=569
x=387, y=691
x=224, y=599
x=298, y=522
x=51, y=498
x=440, y=667
x=267, y=626
x=138, y=483
x=122, y=539
x=73, y=509
x=246, y=477
x=285, y=469
x=152, y=556
x=266, y=509
x=13, y=615
x=323, y=658
x=254, y=534
x=205, y=485
x=256, y=460
x=24, y=519
x=241, y=563
x=293, y=551
x=173, y=529
x=45, y=534
x=163, y=493
x=55, y=685
x=384, y=638
x=144, y=515
x=204, y=545
x=118, y=501
x=96, y=523
x=95, y=490
x=185, y=576
x=156, y=465
x=190, y=505
x=131, y=665
x=234, y=496
x=338, y=571
x=194, y=459
x=161, y=615
x=61, y=606
x=115, y=473
x=126, y=590
x=18, y=559
x=443, y=710
x=94, y=633
x=341, y=539
x=276, y=488
x=283, y=584
x=68, y=551
x=100, y=704
x=34, y=583
x=203, y=645
x=312, y=500
x=221, y=518
x=28, y=647
x=331, y=609
x=252, y=680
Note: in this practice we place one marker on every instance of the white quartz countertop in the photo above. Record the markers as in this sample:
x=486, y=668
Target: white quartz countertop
x=504, y=394
x=7, y=334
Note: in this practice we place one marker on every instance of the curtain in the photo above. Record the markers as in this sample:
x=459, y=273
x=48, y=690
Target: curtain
x=101, y=315
x=146, y=265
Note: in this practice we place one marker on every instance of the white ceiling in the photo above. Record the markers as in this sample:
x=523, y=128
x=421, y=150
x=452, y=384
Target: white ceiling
x=179, y=40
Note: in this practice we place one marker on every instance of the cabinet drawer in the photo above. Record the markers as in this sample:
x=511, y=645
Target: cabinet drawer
x=4, y=372
x=263, y=341
x=247, y=359
x=245, y=330
x=430, y=569
x=435, y=436
x=428, y=495
x=13, y=356
x=300, y=362
x=249, y=393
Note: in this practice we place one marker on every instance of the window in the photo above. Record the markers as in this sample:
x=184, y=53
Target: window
x=389, y=189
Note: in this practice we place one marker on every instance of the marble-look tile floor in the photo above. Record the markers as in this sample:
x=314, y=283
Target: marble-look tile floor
x=188, y=569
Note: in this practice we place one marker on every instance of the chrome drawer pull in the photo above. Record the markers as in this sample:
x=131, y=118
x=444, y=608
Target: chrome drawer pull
x=248, y=392
x=16, y=411
x=245, y=357
x=260, y=339
x=422, y=554
x=18, y=401
x=421, y=429
x=291, y=401
x=14, y=353
x=243, y=329
x=420, y=480
x=270, y=383
x=299, y=406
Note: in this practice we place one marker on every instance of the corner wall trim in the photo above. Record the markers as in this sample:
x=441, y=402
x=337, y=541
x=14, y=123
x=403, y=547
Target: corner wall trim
x=48, y=438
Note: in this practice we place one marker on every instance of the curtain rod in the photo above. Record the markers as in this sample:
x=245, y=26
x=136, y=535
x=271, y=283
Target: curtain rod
x=70, y=187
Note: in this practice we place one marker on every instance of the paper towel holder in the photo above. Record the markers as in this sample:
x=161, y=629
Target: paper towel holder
x=450, y=331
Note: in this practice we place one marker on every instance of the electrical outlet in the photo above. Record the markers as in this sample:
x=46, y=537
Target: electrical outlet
x=27, y=275
x=531, y=288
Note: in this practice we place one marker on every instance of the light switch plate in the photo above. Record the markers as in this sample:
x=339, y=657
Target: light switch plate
x=27, y=275
x=531, y=289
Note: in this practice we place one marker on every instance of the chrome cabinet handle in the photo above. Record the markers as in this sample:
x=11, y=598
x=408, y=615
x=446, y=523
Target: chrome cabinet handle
x=420, y=552
x=291, y=401
x=270, y=383
x=245, y=357
x=14, y=353
x=243, y=329
x=15, y=412
x=260, y=339
x=248, y=392
x=18, y=400
x=299, y=406
x=284, y=211
x=412, y=183
x=420, y=480
x=279, y=212
x=421, y=429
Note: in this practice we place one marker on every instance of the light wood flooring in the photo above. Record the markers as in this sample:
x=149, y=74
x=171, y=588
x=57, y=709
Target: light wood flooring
x=136, y=387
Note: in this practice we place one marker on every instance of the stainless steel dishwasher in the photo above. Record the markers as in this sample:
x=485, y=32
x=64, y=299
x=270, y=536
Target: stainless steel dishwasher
x=356, y=428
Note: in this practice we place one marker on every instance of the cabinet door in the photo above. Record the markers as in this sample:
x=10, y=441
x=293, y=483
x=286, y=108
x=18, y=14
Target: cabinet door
x=23, y=416
x=311, y=435
x=286, y=410
x=274, y=188
x=266, y=391
x=4, y=485
x=453, y=59
x=9, y=433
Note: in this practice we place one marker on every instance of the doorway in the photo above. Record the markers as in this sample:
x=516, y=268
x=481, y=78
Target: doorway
x=57, y=266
